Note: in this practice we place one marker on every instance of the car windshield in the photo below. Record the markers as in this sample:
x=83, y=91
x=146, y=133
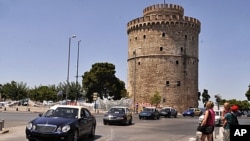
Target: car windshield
x=62, y=112
x=148, y=110
x=117, y=110
x=166, y=109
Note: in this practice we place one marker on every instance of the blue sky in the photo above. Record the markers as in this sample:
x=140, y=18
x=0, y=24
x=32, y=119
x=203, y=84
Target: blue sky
x=34, y=40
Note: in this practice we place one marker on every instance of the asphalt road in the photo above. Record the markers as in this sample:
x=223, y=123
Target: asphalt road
x=165, y=129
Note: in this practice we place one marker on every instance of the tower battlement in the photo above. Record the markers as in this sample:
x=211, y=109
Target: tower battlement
x=167, y=9
x=168, y=20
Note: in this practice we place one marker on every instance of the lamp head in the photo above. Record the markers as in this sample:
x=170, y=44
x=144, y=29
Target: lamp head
x=73, y=36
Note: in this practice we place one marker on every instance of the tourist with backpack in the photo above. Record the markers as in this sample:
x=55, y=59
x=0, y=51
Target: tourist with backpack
x=230, y=118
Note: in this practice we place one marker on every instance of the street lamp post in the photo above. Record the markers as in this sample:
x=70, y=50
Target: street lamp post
x=1, y=92
x=77, y=65
x=67, y=89
x=95, y=98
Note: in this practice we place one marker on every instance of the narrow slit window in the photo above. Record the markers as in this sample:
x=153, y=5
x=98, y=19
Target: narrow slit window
x=186, y=36
x=182, y=49
x=161, y=48
x=178, y=83
x=176, y=62
x=167, y=83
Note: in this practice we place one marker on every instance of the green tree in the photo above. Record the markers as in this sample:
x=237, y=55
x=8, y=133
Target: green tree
x=205, y=97
x=101, y=79
x=14, y=90
x=155, y=99
x=248, y=93
x=41, y=93
x=243, y=105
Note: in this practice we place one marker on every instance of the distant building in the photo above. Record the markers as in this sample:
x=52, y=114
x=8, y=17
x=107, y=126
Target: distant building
x=163, y=56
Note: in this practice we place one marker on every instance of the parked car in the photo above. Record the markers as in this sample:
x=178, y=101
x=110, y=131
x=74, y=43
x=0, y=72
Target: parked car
x=240, y=113
x=149, y=113
x=192, y=112
x=248, y=114
x=168, y=112
x=217, y=120
x=62, y=122
x=118, y=115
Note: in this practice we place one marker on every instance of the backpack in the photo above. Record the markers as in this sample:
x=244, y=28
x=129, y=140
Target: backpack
x=234, y=120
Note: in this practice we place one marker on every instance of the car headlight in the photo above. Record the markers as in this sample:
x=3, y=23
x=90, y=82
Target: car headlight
x=65, y=128
x=29, y=126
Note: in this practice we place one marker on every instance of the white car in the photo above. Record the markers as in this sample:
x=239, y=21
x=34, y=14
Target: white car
x=217, y=121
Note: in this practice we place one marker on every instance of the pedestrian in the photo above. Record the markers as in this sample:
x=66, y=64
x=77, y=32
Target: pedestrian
x=230, y=118
x=227, y=109
x=208, y=120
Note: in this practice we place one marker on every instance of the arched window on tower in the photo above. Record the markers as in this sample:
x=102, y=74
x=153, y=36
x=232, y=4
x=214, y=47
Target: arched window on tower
x=163, y=34
x=176, y=62
x=144, y=36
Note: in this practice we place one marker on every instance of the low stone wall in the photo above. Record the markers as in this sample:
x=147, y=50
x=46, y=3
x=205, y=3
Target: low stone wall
x=25, y=109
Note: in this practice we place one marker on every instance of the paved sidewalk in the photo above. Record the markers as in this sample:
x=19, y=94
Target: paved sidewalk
x=217, y=137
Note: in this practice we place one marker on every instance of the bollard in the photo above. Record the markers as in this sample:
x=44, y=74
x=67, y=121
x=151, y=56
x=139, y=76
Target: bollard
x=4, y=108
x=16, y=108
x=2, y=125
x=28, y=109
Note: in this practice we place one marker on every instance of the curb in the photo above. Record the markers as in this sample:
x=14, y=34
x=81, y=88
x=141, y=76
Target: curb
x=4, y=131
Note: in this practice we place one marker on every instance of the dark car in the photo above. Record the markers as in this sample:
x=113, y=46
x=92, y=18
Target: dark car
x=62, y=123
x=118, y=115
x=188, y=112
x=168, y=112
x=149, y=113
x=248, y=114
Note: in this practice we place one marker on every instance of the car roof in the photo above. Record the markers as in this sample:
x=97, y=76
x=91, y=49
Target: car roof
x=66, y=106
x=168, y=108
x=118, y=107
x=150, y=107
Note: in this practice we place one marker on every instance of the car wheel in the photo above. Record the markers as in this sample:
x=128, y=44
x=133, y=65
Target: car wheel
x=130, y=121
x=92, y=133
x=104, y=123
x=75, y=136
x=139, y=117
x=31, y=140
